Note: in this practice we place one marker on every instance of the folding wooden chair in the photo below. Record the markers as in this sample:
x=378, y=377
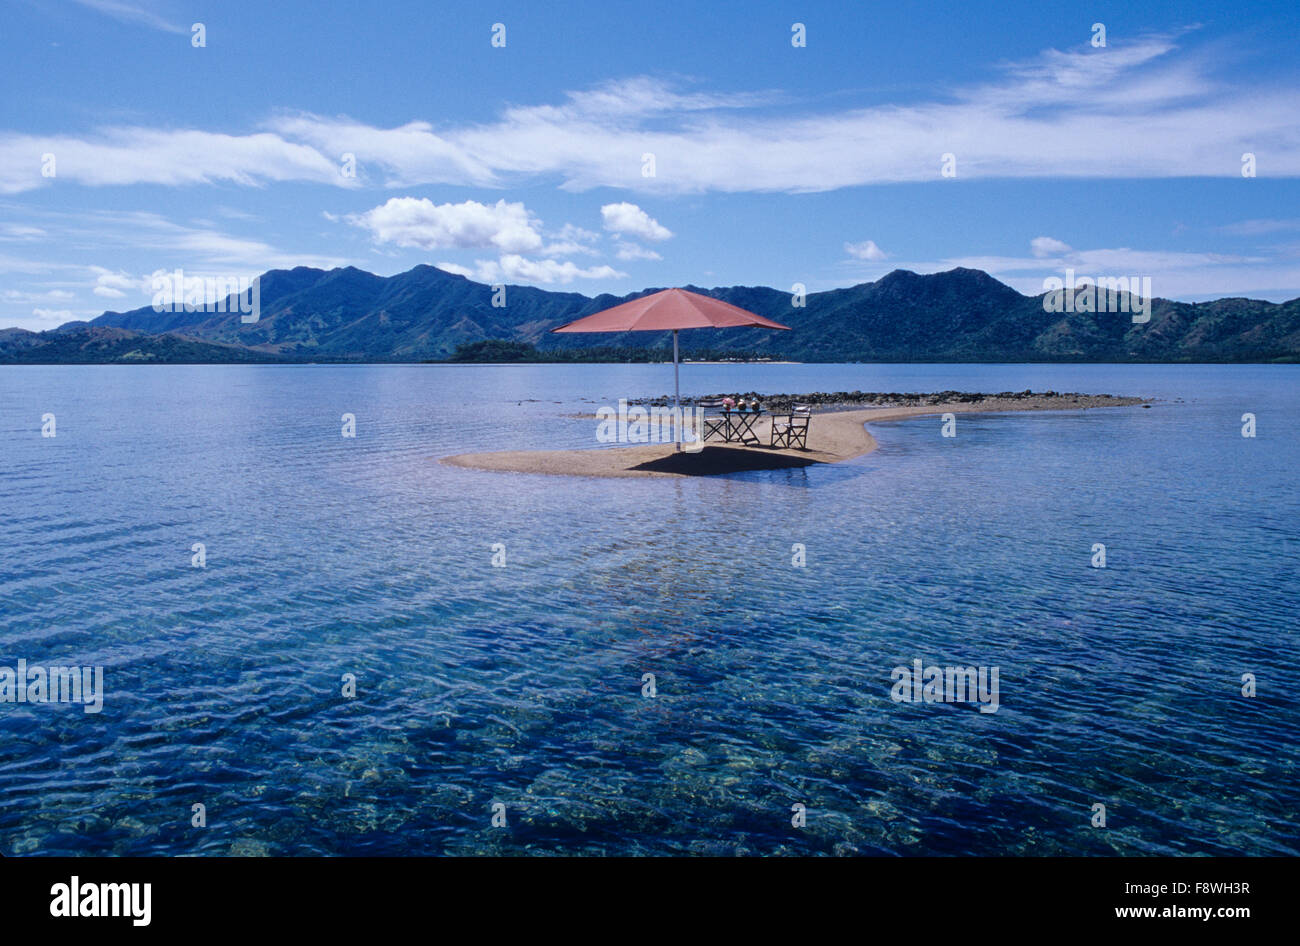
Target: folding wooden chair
x=718, y=422
x=791, y=430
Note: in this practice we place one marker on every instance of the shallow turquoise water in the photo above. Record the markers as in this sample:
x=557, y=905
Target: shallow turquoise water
x=523, y=685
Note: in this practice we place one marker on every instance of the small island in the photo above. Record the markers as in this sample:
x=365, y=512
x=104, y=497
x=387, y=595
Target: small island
x=837, y=432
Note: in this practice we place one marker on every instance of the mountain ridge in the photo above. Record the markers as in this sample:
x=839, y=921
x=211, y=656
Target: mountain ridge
x=960, y=315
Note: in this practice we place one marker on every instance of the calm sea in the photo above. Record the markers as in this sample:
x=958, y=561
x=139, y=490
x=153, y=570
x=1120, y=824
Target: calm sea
x=520, y=689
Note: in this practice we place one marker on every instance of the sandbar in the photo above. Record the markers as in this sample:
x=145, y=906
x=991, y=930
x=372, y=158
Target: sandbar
x=833, y=437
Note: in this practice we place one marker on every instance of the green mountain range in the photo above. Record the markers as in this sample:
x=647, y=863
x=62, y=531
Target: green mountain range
x=963, y=315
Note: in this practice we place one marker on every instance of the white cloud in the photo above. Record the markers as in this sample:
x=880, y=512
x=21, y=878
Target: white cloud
x=21, y=233
x=568, y=249
x=113, y=285
x=1039, y=120
x=1260, y=227
x=581, y=235
x=134, y=155
x=459, y=270
x=15, y=264
x=233, y=214
x=630, y=251
x=1044, y=246
x=37, y=295
x=866, y=250
x=55, y=316
x=1174, y=274
x=419, y=222
x=396, y=157
x=131, y=13
x=161, y=242
x=629, y=219
x=515, y=268
x=570, y=240
x=151, y=241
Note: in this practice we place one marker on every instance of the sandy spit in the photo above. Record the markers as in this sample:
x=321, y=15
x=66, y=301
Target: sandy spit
x=833, y=436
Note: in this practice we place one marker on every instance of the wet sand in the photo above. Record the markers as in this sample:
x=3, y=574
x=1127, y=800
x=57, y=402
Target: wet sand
x=833, y=436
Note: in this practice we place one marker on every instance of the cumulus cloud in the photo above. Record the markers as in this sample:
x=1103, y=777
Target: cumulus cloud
x=113, y=285
x=630, y=220
x=419, y=222
x=866, y=250
x=1043, y=247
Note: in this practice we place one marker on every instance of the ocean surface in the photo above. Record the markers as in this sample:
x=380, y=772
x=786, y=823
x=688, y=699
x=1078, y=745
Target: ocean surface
x=518, y=690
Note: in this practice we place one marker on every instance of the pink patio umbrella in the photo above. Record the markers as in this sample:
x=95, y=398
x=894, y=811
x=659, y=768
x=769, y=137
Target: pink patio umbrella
x=670, y=310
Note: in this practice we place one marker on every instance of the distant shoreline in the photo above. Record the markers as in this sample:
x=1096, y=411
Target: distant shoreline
x=276, y=363
x=347, y=315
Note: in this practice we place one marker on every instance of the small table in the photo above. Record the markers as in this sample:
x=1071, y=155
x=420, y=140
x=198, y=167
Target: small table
x=740, y=426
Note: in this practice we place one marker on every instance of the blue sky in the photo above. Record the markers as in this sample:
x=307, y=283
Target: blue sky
x=773, y=164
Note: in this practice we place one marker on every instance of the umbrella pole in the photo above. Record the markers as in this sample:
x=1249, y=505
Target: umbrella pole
x=677, y=394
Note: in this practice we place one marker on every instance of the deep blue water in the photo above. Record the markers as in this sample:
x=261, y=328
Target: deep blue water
x=523, y=685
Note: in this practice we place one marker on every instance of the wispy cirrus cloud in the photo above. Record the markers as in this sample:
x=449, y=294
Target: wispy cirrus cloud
x=572, y=240
x=1174, y=273
x=633, y=251
x=132, y=13
x=125, y=156
x=515, y=268
x=390, y=157
x=83, y=285
x=1064, y=114
x=1261, y=227
x=168, y=243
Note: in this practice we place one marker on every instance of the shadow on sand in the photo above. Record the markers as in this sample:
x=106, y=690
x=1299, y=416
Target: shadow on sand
x=718, y=461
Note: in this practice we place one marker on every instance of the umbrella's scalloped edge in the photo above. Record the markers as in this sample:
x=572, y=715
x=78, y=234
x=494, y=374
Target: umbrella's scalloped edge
x=697, y=303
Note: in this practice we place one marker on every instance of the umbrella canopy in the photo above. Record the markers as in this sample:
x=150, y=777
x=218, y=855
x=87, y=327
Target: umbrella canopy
x=670, y=310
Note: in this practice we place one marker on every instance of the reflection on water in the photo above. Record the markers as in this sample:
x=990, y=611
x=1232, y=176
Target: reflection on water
x=523, y=684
